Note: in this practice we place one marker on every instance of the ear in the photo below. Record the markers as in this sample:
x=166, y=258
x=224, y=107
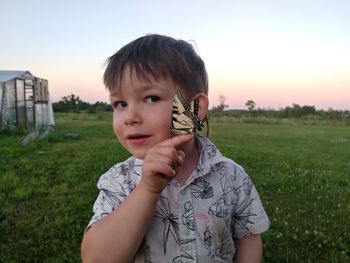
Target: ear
x=203, y=105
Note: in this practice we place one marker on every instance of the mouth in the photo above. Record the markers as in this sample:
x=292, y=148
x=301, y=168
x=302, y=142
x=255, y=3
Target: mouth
x=138, y=138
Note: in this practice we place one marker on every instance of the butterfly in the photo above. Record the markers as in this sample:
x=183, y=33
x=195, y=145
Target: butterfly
x=185, y=118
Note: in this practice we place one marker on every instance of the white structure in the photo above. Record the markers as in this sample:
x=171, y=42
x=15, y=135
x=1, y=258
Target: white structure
x=24, y=101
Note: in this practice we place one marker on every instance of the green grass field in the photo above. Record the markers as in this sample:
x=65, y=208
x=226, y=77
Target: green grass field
x=302, y=173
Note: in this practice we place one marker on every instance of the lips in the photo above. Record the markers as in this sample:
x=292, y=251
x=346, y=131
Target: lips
x=138, y=139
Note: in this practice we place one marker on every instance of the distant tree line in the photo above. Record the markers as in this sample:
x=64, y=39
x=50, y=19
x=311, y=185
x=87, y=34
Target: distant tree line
x=297, y=111
x=73, y=103
x=293, y=111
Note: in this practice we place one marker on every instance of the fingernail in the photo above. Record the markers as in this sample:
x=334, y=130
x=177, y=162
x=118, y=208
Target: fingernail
x=179, y=157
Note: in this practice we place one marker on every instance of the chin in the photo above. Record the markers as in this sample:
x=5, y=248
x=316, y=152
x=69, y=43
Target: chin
x=138, y=155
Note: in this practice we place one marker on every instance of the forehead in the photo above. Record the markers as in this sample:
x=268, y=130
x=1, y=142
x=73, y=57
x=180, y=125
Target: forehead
x=131, y=79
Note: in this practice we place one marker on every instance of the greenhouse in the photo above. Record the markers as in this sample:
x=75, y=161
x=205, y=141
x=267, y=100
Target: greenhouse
x=24, y=101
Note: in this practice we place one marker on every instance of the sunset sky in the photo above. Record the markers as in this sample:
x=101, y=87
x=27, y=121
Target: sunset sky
x=274, y=52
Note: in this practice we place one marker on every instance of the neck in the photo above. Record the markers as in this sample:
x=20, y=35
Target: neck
x=190, y=162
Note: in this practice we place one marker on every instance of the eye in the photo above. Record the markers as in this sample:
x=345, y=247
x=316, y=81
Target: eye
x=152, y=99
x=119, y=104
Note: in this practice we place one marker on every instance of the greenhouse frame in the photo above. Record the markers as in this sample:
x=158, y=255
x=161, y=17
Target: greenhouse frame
x=24, y=101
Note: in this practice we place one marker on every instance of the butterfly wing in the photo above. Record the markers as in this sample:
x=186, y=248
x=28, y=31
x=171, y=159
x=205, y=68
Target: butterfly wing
x=193, y=107
x=182, y=116
x=192, y=112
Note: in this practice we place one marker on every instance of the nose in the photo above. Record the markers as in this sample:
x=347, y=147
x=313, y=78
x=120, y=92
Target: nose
x=132, y=115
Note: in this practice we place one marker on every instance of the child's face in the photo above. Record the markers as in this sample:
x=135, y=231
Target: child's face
x=142, y=112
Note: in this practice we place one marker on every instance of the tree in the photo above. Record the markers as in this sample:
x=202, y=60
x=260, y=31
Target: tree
x=251, y=105
x=73, y=103
x=297, y=111
x=222, y=106
x=70, y=103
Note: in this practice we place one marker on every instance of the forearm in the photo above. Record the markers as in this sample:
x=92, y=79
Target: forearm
x=117, y=237
x=248, y=249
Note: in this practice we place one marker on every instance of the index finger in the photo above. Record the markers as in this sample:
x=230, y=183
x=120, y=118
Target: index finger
x=177, y=140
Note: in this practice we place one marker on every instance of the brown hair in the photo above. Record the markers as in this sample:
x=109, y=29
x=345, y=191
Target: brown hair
x=159, y=56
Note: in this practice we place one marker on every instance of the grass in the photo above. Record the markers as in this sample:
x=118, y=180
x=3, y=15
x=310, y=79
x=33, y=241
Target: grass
x=302, y=173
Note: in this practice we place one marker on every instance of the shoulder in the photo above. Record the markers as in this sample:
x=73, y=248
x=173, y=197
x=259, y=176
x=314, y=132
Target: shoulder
x=233, y=167
x=231, y=174
x=121, y=168
x=118, y=173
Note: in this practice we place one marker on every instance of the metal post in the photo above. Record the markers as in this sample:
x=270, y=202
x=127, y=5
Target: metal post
x=34, y=100
x=25, y=102
x=2, y=107
x=16, y=102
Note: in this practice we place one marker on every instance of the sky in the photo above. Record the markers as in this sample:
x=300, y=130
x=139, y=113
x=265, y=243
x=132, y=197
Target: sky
x=274, y=52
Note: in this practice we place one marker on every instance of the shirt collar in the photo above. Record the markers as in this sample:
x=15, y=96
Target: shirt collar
x=209, y=156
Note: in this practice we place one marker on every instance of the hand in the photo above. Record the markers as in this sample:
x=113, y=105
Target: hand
x=162, y=162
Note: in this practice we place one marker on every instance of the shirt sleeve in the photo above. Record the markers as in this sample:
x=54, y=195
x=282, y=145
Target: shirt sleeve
x=249, y=216
x=114, y=188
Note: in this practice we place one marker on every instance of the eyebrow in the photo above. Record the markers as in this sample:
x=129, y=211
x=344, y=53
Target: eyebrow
x=150, y=87
x=146, y=87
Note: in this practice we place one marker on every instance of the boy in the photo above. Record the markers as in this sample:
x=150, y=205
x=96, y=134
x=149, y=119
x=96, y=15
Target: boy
x=177, y=199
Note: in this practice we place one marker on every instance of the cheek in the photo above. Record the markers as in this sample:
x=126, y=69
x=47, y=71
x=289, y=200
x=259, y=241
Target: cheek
x=116, y=126
x=164, y=115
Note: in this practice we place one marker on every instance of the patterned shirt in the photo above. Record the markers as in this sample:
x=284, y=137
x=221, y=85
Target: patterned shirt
x=197, y=221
